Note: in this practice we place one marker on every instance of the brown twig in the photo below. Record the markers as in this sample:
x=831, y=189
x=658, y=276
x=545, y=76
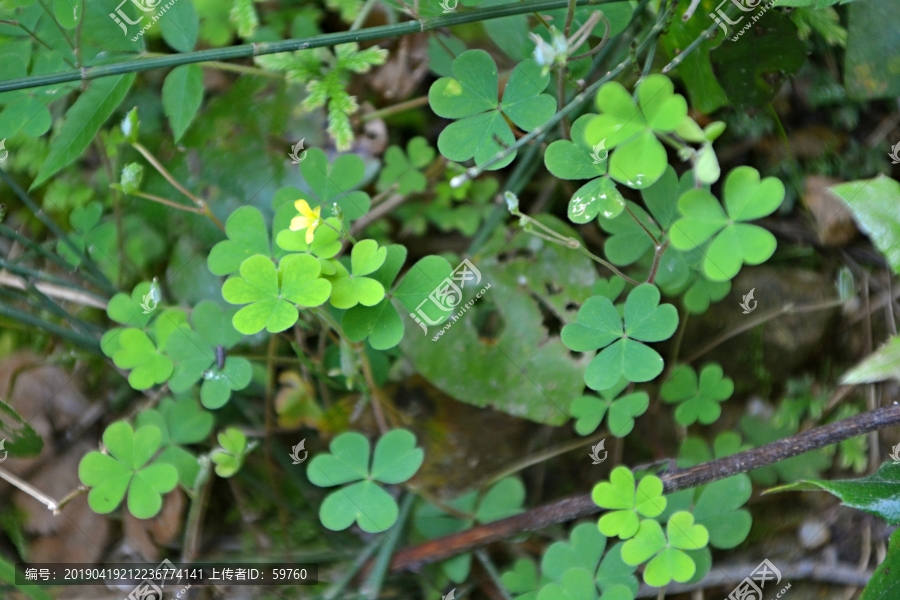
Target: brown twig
x=674, y=480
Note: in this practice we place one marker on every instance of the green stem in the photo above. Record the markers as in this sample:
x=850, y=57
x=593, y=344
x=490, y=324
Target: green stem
x=396, y=108
x=349, y=573
x=76, y=338
x=319, y=41
x=192, y=529
x=372, y=586
x=363, y=14
x=38, y=212
x=485, y=561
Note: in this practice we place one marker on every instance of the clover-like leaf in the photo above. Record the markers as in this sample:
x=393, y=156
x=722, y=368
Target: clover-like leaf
x=230, y=456
x=352, y=288
x=179, y=422
x=247, y=236
x=125, y=469
x=626, y=503
x=638, y=159
x=503, y=499
x=628, y=241
x=583, y=550
x=403, y=169
x=137, y=352
x=396, y=459
x=669, y=561
x=719, y=510
x=273, y=305
x=734, y=240
x=326, y=241
x=191, y=354
x=218, y=383
x=698, y=400
x=590, y=410
x=215, y=325
x=334, y=183
x=126, y=309
x=470, y=96
x=575, y=584
x=598, y=325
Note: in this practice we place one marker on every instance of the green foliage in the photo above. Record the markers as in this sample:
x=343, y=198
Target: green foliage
x=180, y=423
x=470, y=96
x=697, y=399
x=627, y=503
x=350, y=288
x=590, y=410
x=883, y=584
x=365, y=502
x=404, y=168
x=381, y=323
x=873, y=203
x=695, y=450
x=272, y=295
x=629, y=128
x=182, y=95
x=599, y=325
x=582, y=553
x=717, y=507
x=83, y=120
x=126, y=469
x=668, y=561
x=882, y=364
x=326, y=75
x=877, y=494
x=576, y=159
x=229, y=457
x=503, y=499
x=19, y=437
x=735, y=242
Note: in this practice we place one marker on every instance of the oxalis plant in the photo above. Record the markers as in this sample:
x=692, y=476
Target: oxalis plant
x=294, y=304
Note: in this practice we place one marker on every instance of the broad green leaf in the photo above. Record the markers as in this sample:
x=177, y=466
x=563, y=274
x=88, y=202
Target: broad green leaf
x=884, y=584
x=182, y=95
x=82, y=122
x=882, y=364
x=877, y=494
x=718, y=510
x=219, y=383
x=874, y=206
x=137, y=352
x=179, y=26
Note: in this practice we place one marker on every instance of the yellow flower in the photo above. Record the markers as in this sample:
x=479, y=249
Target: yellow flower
x=309, y=219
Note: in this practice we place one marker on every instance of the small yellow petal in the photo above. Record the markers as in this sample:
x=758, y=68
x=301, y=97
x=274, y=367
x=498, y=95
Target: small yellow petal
x=298, y=223
x=310, y=233
x=301, y=206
